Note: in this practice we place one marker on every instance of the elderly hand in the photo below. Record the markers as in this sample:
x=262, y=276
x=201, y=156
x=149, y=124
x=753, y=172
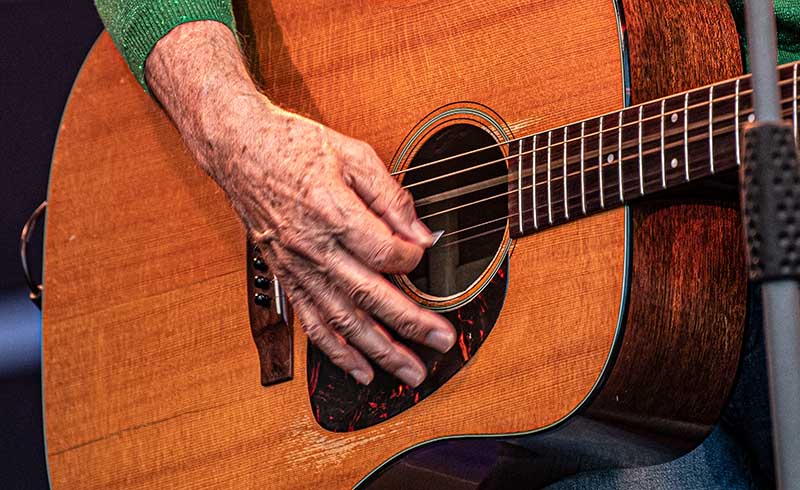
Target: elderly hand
x=321, y=205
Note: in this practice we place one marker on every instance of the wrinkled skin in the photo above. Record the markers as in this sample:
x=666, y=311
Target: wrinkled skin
x=329, y=218
x=320, y=205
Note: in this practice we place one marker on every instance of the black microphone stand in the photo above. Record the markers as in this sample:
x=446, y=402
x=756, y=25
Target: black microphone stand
x=770, y=191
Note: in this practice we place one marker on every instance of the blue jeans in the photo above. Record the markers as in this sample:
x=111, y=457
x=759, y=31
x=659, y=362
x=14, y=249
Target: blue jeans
x=718, y=463
x=738, y=453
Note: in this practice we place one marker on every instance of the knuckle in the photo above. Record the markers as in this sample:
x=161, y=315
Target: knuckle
x=305, y=281
x=294, y=291
x=291, y=243
x=403, y=200
x=339, y=356
x=408, y=325
x=317, y=200
x=382, y=255
x=313, y=331
x=327, y=263
x=363, y=296
x=384, y=354
x=345, y=323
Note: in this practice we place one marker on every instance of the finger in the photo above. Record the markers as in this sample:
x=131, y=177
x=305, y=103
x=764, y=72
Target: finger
x=362, y=332
x=372, y=241
x=331, y=343
x=387, y=198
x=339, y=314
x=375, y=295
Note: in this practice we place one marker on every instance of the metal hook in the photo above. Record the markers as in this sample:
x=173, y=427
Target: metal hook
x=25, y=237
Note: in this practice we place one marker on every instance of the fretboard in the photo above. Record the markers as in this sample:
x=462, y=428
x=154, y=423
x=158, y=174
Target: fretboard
x=601, y=163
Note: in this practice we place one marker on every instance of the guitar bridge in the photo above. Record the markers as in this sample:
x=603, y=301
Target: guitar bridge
x=270, y=319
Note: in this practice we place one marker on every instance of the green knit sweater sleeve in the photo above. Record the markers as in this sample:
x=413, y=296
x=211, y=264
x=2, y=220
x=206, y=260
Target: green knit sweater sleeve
x=137, y=25
x=787, y=14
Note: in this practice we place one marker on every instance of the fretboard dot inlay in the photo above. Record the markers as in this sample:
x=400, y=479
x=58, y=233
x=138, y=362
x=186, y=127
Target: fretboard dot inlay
x=751, y=118
x=595, y=164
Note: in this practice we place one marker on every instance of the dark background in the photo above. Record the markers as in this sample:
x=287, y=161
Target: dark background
x=41, y=50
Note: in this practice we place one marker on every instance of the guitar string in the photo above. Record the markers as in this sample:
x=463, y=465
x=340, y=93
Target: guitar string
x=452, y=243
x=479, y=225
x=561, y=143
x=593, y=157
x=629, y=109
x=543, y=206
x=593, y=154
x=747, y=78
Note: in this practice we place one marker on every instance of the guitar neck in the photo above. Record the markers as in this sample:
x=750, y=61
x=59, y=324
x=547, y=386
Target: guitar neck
x=604, y=162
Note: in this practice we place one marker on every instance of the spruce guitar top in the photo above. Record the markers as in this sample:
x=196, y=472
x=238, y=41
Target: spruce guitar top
x=590, y=263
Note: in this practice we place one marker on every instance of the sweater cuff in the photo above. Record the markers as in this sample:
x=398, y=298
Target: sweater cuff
x=146, y=24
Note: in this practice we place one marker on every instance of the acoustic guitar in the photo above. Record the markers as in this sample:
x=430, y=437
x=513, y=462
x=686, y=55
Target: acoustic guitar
x=592, y=261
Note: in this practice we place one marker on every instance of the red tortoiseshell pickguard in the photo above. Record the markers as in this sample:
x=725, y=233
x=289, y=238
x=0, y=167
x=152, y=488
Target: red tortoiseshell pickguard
x=340, y=404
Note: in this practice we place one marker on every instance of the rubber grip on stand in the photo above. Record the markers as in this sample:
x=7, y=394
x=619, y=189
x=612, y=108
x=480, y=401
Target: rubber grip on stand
x=771, y=201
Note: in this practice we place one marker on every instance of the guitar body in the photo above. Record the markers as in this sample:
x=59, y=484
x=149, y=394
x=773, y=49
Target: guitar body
x=617, y=335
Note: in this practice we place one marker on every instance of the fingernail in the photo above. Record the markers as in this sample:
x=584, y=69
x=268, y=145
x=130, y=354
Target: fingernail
x=410, y=375
x=361, y=376
x=422, y=233
x=440, y=340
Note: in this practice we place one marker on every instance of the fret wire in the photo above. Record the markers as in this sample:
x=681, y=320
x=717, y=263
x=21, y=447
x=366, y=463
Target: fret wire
x=735, y=127
x=619, y=155
x=651, y=175
x=711, y=127
x=686, y=134
x=655, y=138
x=593, y=197
x=549, y=195
x=794, y=103
x=786, y=111
x=736, y=123
x=693, y=140
x=698, y=105
x=663, y=157
x=641, y=153
x=782, y=82
x=583, y=188
x=535, y=218
x=564, y=167
x=600, y=161
x=519, y=184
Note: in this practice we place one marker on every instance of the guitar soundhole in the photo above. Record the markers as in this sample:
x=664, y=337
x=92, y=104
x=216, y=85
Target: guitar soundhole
x=463, y=196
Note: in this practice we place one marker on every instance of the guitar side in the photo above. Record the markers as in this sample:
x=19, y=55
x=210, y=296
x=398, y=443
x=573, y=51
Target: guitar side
x=150, y=371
